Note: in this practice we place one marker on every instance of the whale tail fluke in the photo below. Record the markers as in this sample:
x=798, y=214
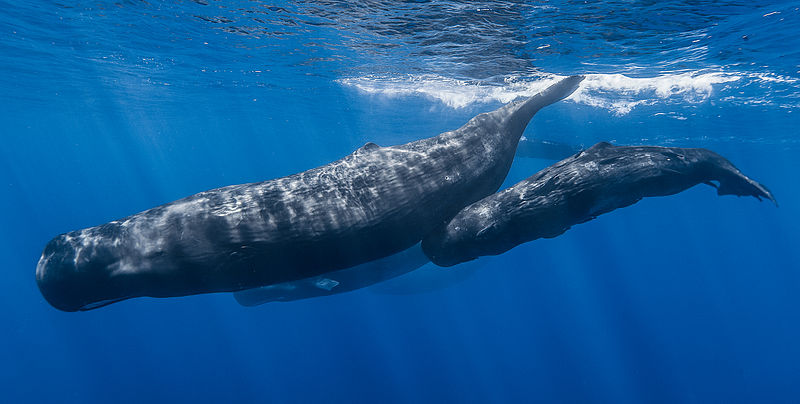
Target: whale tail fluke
x=729, y=180
x=741, y=185
x=521, y=112
x=556, y=92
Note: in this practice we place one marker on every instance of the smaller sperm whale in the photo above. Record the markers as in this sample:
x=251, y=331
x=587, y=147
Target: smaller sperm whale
x=579, y=189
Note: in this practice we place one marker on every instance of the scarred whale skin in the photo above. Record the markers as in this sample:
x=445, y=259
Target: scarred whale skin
x=372, y=203
x=576, y=190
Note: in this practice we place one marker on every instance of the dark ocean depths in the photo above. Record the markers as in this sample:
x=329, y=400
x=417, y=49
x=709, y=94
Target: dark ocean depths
x=110, y=108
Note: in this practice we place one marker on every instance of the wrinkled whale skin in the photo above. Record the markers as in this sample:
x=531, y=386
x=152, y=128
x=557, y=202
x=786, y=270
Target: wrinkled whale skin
x=576, y=190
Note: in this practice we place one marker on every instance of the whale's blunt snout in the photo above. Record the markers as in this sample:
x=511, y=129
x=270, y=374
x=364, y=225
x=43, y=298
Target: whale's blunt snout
x=65, y=283
x=55, y=276
x=58, y=277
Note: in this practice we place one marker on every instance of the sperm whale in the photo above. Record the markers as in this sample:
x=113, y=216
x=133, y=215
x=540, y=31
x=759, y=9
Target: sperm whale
x=372, y=203
x=576, y=190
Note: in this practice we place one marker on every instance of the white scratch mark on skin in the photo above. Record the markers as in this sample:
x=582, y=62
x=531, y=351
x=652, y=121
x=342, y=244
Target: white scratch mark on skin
x=326, y=284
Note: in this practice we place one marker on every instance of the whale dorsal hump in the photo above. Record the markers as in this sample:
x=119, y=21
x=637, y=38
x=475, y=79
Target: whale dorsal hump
x=366, y=148
x=601, y=146
x=369, y=146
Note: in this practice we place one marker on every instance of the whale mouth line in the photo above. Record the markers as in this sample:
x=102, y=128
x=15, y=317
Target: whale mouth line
x=101, y=303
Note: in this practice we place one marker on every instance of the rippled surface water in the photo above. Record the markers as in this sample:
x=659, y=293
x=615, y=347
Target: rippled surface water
x=110, y=108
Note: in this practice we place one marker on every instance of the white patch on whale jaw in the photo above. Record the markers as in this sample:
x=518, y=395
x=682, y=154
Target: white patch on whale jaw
x=326, y=284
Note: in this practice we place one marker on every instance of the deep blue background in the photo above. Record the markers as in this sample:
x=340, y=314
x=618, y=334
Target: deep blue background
x=108, y=109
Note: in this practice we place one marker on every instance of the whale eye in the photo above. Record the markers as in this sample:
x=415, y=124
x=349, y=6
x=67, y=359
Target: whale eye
x=447, y=178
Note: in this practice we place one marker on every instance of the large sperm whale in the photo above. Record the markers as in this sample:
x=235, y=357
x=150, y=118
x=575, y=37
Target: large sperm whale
x=372, y=203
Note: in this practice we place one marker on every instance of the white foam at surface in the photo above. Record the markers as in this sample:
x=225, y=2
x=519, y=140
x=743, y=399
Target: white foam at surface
x=614, y=92
x=629, y=92
x=454, y=93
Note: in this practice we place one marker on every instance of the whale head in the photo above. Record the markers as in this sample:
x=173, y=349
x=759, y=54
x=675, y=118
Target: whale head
x=73, y=275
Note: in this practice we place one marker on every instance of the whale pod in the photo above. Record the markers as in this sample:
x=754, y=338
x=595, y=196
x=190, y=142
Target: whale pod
x=572, y=191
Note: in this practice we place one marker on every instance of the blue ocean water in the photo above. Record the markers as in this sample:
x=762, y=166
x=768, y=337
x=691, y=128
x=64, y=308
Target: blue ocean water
x=110, y=108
